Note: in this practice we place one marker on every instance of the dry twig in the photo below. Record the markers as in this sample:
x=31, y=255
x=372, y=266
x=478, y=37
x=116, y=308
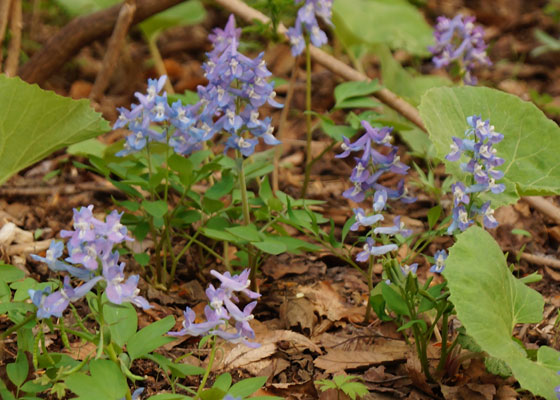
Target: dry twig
x=541, y=260
x=16, y=24
x=81, y=32
x=545, y=207
x=4, y=13
x=114, y=47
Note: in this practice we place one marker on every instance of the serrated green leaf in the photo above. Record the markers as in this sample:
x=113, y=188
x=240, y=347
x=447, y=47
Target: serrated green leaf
x=531, y=168
x=36, y=122
x=150, y=338
x=396, y=23
x=490, y=301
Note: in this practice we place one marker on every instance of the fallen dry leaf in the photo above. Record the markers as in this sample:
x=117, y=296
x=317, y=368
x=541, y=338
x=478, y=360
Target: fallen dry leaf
x=329, y=303
x=337, y=360
x=276, y=269
x=470, y=391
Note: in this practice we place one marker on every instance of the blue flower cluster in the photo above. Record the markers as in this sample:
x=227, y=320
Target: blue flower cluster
x=459, y=40
x=237, y=87
x=372, y=165
x=92, y=259
x=222, y=308
x=482, y=164
x=369, y=168
x=307, y=19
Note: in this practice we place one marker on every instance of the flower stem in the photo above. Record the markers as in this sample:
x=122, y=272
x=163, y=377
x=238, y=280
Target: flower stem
x=208, y=368
x=370, y=288
x=246, y=217
x=14, y=328
x=308, y=155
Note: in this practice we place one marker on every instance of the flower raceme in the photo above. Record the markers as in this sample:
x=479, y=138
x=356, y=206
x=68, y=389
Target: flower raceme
x=306, y=22
x=459, y=40
x=237, y=87
x=480, y=137
x=222, y=311
x=92, y=259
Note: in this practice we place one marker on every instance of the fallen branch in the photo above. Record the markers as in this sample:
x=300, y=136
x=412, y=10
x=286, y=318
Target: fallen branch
x=330, y=62
x=116, y=43
x=541, y=260
x=386, y=96
x=4, y=13
x=16, y=24
x=80, y=32
x=545, y=207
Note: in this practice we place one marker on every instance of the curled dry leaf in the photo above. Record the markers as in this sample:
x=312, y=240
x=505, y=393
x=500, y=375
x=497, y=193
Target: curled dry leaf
x=329, y=303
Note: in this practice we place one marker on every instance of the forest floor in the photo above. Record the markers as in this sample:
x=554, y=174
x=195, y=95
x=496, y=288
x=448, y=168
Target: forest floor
x=310, y=318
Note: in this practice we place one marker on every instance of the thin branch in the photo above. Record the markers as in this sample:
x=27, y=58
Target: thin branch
x=386, y=96
x=330, y=62
x=541, y=260
x=114, y=47
x=16, y=24
x=545, y=207
x=81, y=32
x=4, y=13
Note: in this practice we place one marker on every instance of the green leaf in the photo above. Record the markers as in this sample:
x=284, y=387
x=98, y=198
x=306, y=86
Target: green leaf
x=531, y=141
x=433, y=215
x=247, y=387
x=142, y=258
x=87, y=148
x=337, y=132
x=218, y=235
x=187, y=13
x=183, y=370
x=36, y=122
x=396, y=23
x=490, y=301
x=223, y=382
x=221, y=188
x=350, y=90
x=18, y=370
x=122, y=320
x=246, y=232
x=150, y=338
x=106, y=382
x=271, y=246
x=9, y=273
x=169, y=396
x=156, y=208
x=81, y=7
x=394, y=300
x=358, y=102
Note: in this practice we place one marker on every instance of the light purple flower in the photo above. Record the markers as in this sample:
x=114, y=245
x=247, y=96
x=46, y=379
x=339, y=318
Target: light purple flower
x=439, y=261
x=370, y=249
x=397, y=228
x=363, y=220
x=409, y=269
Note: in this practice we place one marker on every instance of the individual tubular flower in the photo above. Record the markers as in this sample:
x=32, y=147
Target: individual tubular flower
x=237, y=87
x=222, y=312
x=370, y=249
x=91, y=258
x=306, y=23
x=478, y=147
x=439, y=262
x=363, y=220
x=409, y=269
x=397, y=229
x=459, y=41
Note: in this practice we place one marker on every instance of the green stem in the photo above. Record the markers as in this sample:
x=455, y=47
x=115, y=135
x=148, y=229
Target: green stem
x=101, y=321
x=370, y=288
x=308, y=155
x=208, y=368
x=246, y=218
x=14, y=328
x=204, y=246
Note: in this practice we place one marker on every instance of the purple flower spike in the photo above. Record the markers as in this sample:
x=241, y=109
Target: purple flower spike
x=237, y=283
x=459, y=40
x=439, y=261
x=307, y=19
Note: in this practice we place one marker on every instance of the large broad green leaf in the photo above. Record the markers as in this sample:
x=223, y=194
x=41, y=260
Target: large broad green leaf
x=36, y=122
x=394, y=22
x=531, y=141
x=490, y=301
